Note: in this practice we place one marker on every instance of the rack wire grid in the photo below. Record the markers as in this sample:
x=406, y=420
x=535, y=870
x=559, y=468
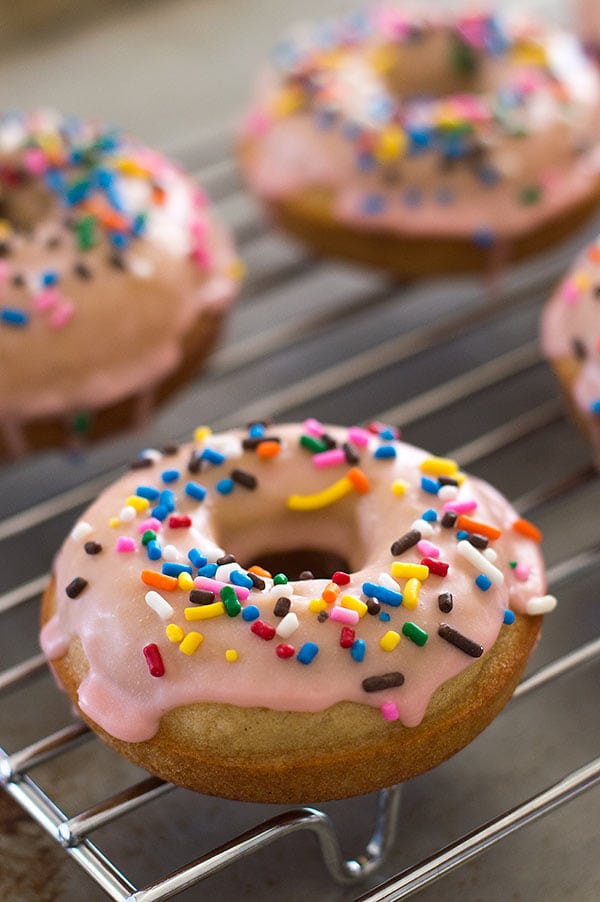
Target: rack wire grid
x=515, y=814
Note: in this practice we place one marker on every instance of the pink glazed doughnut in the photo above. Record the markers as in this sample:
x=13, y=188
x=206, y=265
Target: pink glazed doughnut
x=295, y=612
x=425, y=143
x=115, y=278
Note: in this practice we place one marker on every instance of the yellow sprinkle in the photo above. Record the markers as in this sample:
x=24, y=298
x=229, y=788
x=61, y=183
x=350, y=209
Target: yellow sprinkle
x=185, y=581
x=354, y=604
x=410, y=592
x=391, y=144
x=460, y=477
x=139, y=504
x=529, y=53
x=401, y=570
x=191, y=643
x=5, y=228
x=236, y=270
x=114, y=522
x=439, y=466
x=399, y=488
x=201, y=433
x=582, y=280
x=316, y=605
x=174, y=633
x=205, y=611
x=231, y=655
x=287, y=101
x=383, y=58
x=129, y=167
x=328, y=496
x=389, y=641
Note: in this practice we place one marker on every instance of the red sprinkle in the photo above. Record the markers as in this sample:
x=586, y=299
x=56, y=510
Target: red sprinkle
x=438, y=568
x=154, y=660
x=347, y=637
x=180, y=521
x=340, y=578
x=262, y=629
x=285, y=651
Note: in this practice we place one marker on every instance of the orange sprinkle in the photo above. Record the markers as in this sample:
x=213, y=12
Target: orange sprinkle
x=260, y=571
x=359, y=480
x=483, y=529
x=158, y=195
x=110, y=219
x=159, y=580
x=526, y=528
x=594, y=253
x=330, y=593
x=268, y=449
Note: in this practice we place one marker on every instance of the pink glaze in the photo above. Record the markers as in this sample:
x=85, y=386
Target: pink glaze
x=541, y=149
x=115, y=624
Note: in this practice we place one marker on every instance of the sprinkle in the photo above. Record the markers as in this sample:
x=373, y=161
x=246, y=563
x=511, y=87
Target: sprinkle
x=239, y=578
x=405, y=542
x=151, y=523
x=174, y=633
x=385, y=452
x=282, y=607
x=389, y=640
x=158, y=580
x=13, y=317
x=225, y=486
x=480, y=542
x=460, y=641
x=347, y=637
x=231, y=655
x=461, y=507
x=437, y=568
x=483, y=529
x=212, y=457
x=542, y=605
x=215, y=585
x=256, y=570
x=170, y=476
x=344, y=615
x=195, y=490
x=245, y=479
x=154, y=660
x=445, y=602
x=307, y=653
x=154, y=550
x=430, y=515
x=525, y=528
x=280, y=579
x=159, y=605
x=509, y=617
x=399, y=488
x=330, y=593
x=92, y=547
x=431, y=486
x=250, y=613
x=180, y=521
x=480, y=562
x=76, y=586
x=191, y=643
x=358, y=436
x=171, y=568
x=522, y=571
x=414, y=633
x=449, y=519
x=288, y=625
x=439, y=466
x=316, y=605
x=428, y=549
x=201, y=596
x=127, y=514
x=389, y=711
x=340, y=578
x=387, y=596
x=483, y=582
x=268, y=449
x=312, y=444
x=383, y=681
x=411, y=593
x=354, y=604
x=263, y=630
x=358, y=650
x=229, y=599
x=208, y=570
x=423, y=526
x=329, y=458
x=402, y=570
x=350, y=454
x=205, y=611
x=285, y=651
x=313, y=427
x=81, y=530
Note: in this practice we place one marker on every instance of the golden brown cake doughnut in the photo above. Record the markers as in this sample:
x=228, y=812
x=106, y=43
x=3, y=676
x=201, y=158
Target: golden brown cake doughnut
x=425, y=144
x=183, y=623
x=115, y=278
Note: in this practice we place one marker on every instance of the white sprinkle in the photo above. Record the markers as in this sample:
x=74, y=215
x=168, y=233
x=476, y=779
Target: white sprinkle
x=491, y=554
x=170, y=553
x=127, y=514
x=284, y=590
x=151, y=454
x=480, y=562
x=289, y=624
x=224, y=571
x=448, y=492
x=141, y=267
x=159, y=605
x=212, y=552
x=388, y=581
x=81, y=530
x=424, y=527
x=541, y=605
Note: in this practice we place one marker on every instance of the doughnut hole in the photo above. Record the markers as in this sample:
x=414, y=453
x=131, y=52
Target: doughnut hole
x=25, y=204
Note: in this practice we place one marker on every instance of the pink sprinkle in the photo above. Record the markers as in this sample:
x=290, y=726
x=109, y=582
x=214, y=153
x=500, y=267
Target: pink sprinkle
x=570, y=292
x=461, y=507
x=359, y=436
x=522, y=572
x=390, y=711
x=125, y=544
x=202, y=257
x=344, y=615
x=152, y=523
x=62, y=315
x=215, y=585
x=256, y=123
x=428, y=549
x=329, y=458
x=313, y=427
x=35, y=161
x=3, y=271
x=46, y=299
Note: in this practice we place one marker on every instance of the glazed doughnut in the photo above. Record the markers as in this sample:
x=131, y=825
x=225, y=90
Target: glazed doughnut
x=570, y=336
x=115, y=278
x=293, y=612
x=425, y=144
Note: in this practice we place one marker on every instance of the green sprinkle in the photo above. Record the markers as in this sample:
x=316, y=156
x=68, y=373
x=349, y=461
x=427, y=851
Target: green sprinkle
x=463, y=58
x=149, y=536
x=512, y=564
x=230, y=601
x=313, y=444
x=414, y=633
x=530, y=194
x=85, y=229
x=82, y=423
x=280, y=579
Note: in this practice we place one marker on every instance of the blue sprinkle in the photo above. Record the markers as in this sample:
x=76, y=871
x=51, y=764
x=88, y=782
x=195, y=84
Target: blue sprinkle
x=358, y=650
x=365, y=161
x=385, y=451
x=55, y=181
x=49, y=278
x=239, y=578
x=207, y=570
x=307, y=652
x=483, y=582
x=325, y=119
x=225, y=486
x=488, y=175
x=412, y=197
x=138, y=226
x=256, y=430
x=384, y=617
x=250, y=613
x=212, y=456
x=104, y=177
x=148, y=492
x=167, y=499
x=431, y=486
x=195, y=490
x=160, y=512
x=197, y=558
x=595, y=406
x=171, y=568
x=372, y=203
x=420, y=138
x=387, y=596
x=13, y=317
x=154, y=550
x=351, y=131
x=484, y=238
x=77, y=193
x=170, y=475
x=445, y=196
x=119, y=240
x=462, y=534
x=509, y=617
x=429, y=515
x=387, y=434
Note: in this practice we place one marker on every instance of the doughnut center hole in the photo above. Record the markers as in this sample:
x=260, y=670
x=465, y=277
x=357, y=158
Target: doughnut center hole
x=25, y=204
x=294, y=561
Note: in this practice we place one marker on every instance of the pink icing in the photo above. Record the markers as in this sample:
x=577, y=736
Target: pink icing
x=115, y=624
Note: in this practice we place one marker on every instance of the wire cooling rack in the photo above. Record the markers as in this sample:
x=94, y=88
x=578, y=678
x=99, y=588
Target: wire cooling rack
x=459, y=370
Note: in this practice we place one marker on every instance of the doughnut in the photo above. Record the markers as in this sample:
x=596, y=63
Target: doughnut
x=425, y=144
x=115, y=279
x=293, y=613
x=570, y=336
